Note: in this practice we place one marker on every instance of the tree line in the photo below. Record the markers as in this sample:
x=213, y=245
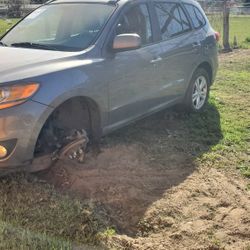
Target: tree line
x=14, y=7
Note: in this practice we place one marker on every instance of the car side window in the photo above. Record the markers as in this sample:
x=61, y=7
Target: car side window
x=172, y=19
x=136, y=20
x=196, y=16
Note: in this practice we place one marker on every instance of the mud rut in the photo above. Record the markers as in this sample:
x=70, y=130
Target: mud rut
x=136, y=166
x=122, y=182
x=146, y=177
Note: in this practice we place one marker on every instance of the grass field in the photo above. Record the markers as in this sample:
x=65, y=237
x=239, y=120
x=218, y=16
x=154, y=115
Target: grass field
x=5, y=25
x=239, y=27
x=35, y=216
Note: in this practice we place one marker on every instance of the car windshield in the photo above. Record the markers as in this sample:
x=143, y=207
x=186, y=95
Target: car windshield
x=65, y=27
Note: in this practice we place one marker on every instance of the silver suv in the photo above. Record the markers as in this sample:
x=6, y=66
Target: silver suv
x=74, y=70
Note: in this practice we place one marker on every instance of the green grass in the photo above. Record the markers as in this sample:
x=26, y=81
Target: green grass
x=33, y=214
x=18, y=238
x=239, y=27
x=6, y=24
x=231, y=95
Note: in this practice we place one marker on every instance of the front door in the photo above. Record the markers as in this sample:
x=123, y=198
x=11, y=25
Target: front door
x=133, y=87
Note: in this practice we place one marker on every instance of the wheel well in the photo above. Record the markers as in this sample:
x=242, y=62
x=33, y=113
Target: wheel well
x=208, y=68
x=74, y=114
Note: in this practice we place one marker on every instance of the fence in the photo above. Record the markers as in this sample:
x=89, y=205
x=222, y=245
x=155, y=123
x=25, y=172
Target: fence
x=239, y=20
x=215, y=6
x=24, y=10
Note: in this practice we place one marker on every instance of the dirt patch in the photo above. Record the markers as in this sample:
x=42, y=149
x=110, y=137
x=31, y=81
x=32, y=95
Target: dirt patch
x=156, y=193
x=120, y=179
x=156, y=207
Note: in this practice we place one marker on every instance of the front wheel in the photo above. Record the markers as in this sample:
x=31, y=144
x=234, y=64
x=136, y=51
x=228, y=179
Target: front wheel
x=198, y=91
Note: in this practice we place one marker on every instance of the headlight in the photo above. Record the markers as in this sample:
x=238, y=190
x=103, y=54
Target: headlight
x=16, y=94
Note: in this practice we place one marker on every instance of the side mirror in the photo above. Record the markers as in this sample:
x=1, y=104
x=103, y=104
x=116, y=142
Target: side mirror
x=125, y=42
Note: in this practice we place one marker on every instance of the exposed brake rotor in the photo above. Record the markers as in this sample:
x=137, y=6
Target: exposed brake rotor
x=76, y=148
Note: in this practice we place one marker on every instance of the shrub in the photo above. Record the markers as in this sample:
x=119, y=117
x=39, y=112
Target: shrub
x=248, y=39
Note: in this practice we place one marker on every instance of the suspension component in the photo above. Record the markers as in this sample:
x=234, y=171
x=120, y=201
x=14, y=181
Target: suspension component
x=76, y=149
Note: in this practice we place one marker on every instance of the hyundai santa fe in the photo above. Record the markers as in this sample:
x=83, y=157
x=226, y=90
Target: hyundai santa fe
x=74, y=70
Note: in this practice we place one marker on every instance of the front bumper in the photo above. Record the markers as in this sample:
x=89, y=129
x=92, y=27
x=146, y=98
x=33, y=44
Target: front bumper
x=20, y=127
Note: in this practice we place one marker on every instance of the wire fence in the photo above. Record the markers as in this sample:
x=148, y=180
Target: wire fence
x=239, y=20
x=236, y=8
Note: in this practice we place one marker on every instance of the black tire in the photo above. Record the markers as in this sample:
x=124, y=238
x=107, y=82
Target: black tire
x=189, y=104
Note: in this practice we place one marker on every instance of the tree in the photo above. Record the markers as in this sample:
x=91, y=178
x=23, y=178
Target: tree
x=14, y=8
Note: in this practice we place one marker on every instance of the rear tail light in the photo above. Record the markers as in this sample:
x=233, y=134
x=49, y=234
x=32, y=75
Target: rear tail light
x=217, y=36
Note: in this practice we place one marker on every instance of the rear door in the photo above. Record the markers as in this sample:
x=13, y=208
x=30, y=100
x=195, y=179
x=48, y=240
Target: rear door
x=180, y=48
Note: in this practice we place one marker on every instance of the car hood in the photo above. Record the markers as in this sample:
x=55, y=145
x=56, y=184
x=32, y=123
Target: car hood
x=21, y=63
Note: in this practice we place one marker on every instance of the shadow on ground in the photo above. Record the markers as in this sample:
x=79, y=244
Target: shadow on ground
x=139, y=164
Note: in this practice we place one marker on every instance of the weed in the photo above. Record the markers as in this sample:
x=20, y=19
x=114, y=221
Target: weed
x=248, y=39
x=245, y=170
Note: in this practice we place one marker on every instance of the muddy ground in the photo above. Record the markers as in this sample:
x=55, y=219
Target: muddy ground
x=157, y=194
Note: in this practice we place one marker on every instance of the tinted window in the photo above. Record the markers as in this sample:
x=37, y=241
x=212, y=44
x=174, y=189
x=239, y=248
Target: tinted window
x=172, y=19
x=197, y=17
x=136, y=20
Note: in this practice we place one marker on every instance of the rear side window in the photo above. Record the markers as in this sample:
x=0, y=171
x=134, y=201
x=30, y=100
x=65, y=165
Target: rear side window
x=196, y=16
x=172, y=19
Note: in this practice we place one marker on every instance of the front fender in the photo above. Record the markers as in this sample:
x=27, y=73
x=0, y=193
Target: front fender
x=56, y=88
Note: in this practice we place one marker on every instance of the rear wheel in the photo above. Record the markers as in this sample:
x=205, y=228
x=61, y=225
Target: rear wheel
x=198, y=92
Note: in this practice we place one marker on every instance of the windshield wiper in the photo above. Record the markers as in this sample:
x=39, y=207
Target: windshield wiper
x=32, y=45
x=3, y=44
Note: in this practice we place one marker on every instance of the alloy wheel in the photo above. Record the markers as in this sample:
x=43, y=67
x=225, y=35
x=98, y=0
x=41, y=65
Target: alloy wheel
x=200, y=92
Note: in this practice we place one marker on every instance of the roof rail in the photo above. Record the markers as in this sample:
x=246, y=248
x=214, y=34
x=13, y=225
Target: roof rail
x=113, y=1
x=49, y=1
x=110, y=1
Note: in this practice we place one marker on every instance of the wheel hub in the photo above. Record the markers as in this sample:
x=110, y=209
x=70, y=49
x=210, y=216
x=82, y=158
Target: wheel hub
x=76, y=149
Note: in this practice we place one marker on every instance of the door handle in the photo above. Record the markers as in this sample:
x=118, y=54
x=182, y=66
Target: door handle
x=156, y=60
x=196, y=45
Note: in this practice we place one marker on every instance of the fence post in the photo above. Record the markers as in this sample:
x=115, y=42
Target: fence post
x=226, y=15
